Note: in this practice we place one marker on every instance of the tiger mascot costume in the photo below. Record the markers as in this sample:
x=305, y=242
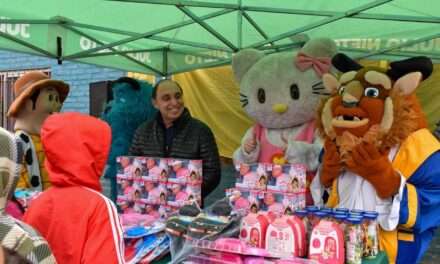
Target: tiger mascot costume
x=378, y=153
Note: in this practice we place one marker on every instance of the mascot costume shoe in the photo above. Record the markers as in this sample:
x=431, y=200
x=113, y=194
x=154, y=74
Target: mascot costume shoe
x=379, y=155
x=36, y=97
x=281, y=92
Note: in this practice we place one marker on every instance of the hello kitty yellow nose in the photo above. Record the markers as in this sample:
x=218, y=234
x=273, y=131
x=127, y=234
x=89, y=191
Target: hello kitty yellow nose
x=279, y=108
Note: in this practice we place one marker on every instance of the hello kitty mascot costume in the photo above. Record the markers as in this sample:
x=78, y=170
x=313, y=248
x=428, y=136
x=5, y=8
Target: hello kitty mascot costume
x=281, y=93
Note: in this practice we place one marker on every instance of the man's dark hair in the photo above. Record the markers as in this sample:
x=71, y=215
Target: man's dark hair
x=156, y=86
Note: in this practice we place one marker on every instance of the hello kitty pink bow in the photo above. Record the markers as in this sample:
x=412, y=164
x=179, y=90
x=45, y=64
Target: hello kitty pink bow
x=321, y=65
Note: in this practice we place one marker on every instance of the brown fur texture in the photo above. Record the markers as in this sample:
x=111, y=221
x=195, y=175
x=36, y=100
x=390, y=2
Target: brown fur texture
x=408, y=117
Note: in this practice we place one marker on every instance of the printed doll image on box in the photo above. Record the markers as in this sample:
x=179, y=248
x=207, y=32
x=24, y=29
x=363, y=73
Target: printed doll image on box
x=152, y=210
x=273, y=202
x=297, y=200
x=245, y=200
x=279, y=178
x=288, y=210
x=136, y=195
x=297, y=178
x=195, y=172
x=125, y=206
x=179, y=172
x=154, y=192
x=249, y=175
x=125, y=185
x=124, y=165
x=137, y=176
x=194, y=194
x=177, y=194
x=139, y=207
x=155, y=168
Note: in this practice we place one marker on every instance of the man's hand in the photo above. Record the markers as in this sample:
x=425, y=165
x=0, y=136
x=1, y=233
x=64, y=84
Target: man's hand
x=369, y=163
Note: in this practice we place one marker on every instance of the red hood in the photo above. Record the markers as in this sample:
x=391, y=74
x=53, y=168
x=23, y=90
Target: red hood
x=76, y=148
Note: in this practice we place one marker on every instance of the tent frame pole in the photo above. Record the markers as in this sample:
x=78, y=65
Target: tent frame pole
x=182, y=3
x=190, y=43
x=136, y=36
x=239, y=26
x=28, y=45
x=322, y=22
x=119, y=52
x=402, y=18
x=207, y=27
x=113, y=49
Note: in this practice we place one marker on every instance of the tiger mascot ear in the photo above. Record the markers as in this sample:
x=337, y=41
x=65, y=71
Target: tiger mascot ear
x=408, y=73
x=331, y=84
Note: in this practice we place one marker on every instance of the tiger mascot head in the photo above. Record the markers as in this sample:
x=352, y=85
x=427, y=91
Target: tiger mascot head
x=373, y=103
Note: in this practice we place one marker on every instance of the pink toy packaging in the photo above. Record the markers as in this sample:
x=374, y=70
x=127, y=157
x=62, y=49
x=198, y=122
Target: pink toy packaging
x=185, y=171
x=246, y=200
x=177, y=194
x=276, y=203
x=283, y=238
x=287, y=178
x=327, y=243
x=156, y=169
x=279, y=178
x=251, y=176
x=253, y=230
x=154, y=192
x=300, y=228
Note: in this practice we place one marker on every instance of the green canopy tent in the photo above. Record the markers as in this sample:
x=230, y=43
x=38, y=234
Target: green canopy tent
x=164, y=37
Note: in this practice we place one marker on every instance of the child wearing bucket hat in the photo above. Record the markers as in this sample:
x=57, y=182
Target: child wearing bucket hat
x=36, y=97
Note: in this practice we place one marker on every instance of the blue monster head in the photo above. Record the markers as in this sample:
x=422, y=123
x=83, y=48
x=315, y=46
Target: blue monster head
x=130, y=107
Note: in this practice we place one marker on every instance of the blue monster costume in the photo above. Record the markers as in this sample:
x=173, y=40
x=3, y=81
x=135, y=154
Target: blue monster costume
x=130, y=107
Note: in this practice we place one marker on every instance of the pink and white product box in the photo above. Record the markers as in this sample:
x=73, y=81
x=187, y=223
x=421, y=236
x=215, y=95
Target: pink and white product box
x=156, y=169
x=287, y=178
x=147, y=185
x=154, y=192
x=181, y=194
x=282, y=203
x=185, y=171
x=246, y=200
x=251, y=176
x=327, y=243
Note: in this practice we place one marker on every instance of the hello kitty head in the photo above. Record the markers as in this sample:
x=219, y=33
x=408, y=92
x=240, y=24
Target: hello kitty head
x=283, y=90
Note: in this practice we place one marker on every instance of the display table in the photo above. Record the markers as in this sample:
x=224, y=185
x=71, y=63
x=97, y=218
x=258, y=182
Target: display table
x=380, y=259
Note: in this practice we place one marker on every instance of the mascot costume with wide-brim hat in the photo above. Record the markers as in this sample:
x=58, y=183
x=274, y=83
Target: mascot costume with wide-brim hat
x=379, y=155
x=36, y=97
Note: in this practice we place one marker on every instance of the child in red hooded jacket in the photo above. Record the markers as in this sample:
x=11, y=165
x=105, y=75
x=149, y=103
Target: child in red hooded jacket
x=80, y=224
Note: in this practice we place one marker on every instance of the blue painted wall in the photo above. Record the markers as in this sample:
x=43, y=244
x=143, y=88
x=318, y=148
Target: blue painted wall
x=77, y=75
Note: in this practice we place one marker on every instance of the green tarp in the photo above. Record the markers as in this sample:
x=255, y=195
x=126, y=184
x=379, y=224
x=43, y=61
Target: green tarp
x=164, y=37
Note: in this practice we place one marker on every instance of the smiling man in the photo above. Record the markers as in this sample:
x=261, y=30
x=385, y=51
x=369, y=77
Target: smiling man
x=175, y=134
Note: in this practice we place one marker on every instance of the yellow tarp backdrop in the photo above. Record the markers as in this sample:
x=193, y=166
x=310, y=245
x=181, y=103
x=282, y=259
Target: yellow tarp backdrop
x=212, y=96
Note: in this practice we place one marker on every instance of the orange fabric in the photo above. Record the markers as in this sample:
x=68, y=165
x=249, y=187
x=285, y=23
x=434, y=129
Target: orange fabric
x=80, y=224
x=331, y=164
x=376, y=168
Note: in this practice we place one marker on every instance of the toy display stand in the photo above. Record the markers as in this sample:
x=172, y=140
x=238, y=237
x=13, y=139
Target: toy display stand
x=380, y=259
